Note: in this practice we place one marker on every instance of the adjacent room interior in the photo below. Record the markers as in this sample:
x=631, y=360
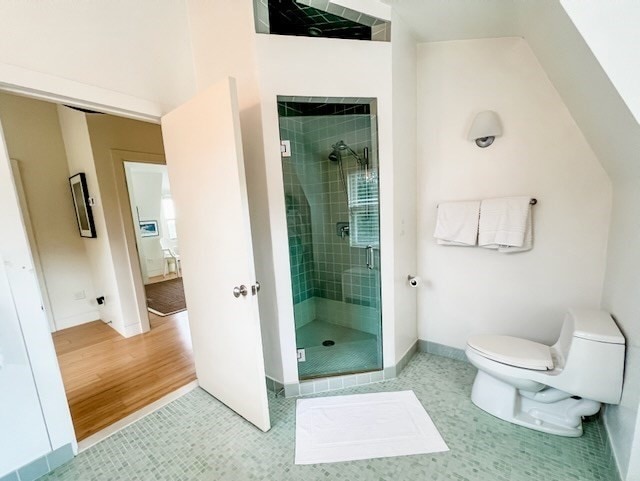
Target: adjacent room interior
x=89, y=304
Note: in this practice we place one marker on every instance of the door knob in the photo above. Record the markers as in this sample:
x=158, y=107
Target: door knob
x=242, y=290
x=255, y=288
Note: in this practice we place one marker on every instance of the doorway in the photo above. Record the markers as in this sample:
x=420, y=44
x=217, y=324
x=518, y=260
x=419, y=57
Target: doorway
x=154, y=222
x=201, y=130
x=108, y=371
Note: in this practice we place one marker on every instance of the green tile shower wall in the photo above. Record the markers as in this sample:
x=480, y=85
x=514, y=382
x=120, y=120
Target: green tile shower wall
x=299, y=224
x=333, y=254
x=316, y=201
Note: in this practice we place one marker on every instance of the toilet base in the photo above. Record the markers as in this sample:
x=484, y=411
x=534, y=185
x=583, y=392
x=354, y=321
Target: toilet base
x=555, y=413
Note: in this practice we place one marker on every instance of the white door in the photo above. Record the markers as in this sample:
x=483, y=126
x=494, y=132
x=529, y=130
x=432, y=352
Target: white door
x=206, y=170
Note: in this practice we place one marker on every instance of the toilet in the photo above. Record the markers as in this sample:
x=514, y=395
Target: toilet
x=550, y=388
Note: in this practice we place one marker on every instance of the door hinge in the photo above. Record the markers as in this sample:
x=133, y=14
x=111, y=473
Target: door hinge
x=285, y=148
x=302, y=357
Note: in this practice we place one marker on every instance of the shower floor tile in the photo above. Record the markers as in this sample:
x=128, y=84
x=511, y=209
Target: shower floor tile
x=197, y=438
x=353, y=351
x=315, y=332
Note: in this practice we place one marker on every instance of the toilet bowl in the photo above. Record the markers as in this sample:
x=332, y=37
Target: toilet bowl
x=550, y=388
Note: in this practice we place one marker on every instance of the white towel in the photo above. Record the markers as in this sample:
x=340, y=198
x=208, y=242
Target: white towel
x=457, y=223
x=506, y=224
x=527, y=245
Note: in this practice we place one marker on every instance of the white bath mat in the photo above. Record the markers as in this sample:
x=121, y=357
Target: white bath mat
x=363, y=426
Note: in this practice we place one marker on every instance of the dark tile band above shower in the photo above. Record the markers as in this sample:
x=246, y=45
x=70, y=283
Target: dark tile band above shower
x=306, y=109
x=318, y=18
x=287, y=17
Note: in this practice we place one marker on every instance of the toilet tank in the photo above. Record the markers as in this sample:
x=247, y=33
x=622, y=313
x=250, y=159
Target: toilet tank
x=592, y=350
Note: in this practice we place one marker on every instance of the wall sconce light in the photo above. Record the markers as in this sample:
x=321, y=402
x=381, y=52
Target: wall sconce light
x=485, y=128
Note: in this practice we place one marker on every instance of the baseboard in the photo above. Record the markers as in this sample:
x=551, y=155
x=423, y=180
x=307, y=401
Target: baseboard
x=41, y=466
x=442, y=350
x=132, y=330
x=406, y=357
x=78, y=319
x=274, y=385
x=155, y=272
x=612, y=451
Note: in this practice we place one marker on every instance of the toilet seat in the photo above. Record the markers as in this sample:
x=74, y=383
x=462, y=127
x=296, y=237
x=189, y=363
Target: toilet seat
x=513, y=351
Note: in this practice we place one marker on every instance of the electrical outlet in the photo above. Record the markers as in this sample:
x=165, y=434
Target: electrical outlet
x=301, y=355
x=78, y=296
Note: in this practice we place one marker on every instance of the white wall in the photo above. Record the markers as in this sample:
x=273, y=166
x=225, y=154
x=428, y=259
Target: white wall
x=146, y=188
x=20, y=298
x=33, y=136
x=543, y=154
x=137, y=48
x=404, y=97
x=20, y=414
x=75, y=133
x=614, y=134
x=107, y=133
x=311, y=76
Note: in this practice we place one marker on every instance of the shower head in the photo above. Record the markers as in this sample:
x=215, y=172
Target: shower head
x=340, y=145
x=337, y=149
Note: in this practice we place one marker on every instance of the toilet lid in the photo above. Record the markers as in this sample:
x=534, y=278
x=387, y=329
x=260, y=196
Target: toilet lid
x=513, y=351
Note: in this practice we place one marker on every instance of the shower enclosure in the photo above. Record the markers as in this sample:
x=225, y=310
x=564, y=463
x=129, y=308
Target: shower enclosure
x=330, y=171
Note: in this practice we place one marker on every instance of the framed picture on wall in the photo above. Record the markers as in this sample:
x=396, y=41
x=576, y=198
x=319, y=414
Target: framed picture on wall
x=149, y=228
x=84, y=215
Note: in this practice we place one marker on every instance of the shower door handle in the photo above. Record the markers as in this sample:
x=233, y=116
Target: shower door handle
x=370, y=257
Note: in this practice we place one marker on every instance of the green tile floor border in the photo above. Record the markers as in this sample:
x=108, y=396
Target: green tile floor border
x=197, y=438
x=333, y=383
x=442, y=350
x=407, y=357
x=41, y=466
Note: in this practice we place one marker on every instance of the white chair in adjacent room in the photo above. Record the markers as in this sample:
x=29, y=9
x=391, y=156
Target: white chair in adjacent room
x=170, y=252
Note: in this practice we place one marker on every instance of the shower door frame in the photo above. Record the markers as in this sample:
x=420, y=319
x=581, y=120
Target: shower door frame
x=374, y=151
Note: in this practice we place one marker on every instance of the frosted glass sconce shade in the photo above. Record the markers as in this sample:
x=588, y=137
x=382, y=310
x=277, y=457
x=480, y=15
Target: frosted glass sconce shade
x=485, y=128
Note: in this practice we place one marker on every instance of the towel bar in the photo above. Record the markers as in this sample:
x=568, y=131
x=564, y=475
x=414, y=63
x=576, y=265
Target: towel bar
x=533, y=201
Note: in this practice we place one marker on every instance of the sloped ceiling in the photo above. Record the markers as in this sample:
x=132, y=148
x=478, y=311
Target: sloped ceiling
x=593, y=100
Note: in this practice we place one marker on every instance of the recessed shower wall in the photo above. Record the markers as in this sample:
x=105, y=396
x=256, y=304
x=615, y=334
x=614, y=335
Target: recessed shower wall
x=331, y=197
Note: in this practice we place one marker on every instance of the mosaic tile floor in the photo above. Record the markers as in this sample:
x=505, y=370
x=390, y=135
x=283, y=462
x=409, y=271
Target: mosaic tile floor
x=197, y=438
x=353, y=351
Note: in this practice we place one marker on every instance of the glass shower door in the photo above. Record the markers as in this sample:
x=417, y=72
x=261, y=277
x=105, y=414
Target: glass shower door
x=332, y=202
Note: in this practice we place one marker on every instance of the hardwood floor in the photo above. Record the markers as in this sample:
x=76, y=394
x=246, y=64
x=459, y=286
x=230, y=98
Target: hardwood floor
x=108, y=377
